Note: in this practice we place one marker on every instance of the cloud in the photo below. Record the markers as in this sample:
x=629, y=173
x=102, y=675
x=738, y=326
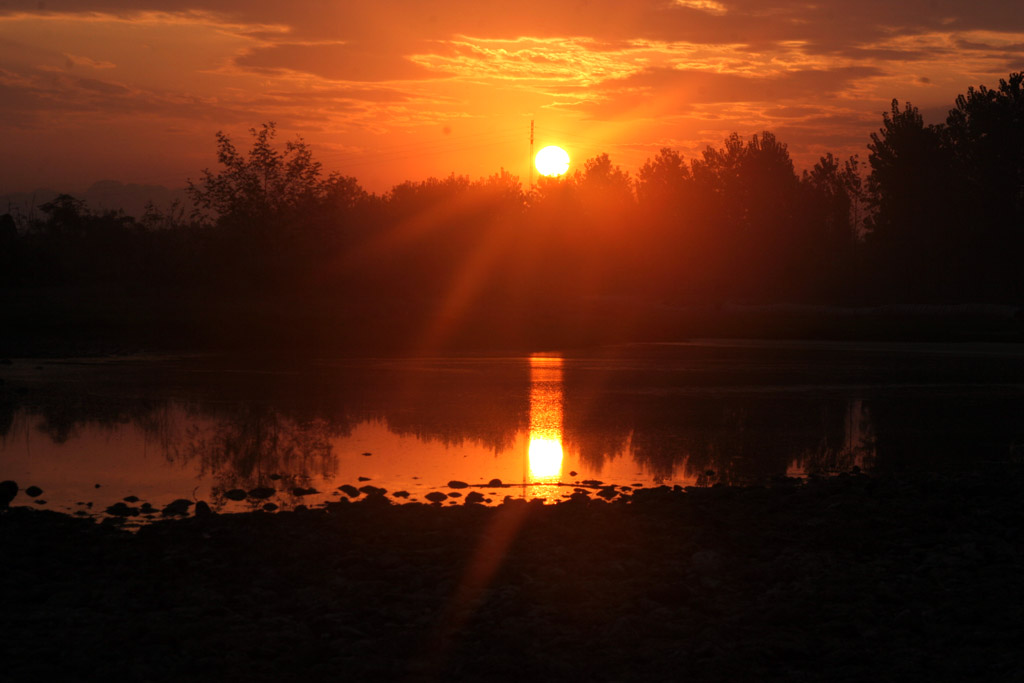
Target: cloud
x=77, y=60
x=709, y=6
x=665, y=91
x=335, y=61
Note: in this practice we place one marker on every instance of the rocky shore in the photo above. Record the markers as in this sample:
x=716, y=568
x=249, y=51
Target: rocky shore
x=846, y=579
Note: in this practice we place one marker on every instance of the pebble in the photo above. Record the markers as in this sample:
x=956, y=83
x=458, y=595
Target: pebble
x=436, y=496
x=261, y=493
x=176, y=508
x=349, y=490
x=235, y=494
x=122, y=510
x=456, y=484
x=33, y=492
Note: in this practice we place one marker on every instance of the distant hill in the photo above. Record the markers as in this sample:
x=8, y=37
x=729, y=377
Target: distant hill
x=104, y=195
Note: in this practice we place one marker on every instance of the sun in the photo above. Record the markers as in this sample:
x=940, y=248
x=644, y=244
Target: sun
x=552, y=161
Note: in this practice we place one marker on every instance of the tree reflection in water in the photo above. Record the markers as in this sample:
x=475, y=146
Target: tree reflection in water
x=732, y=439
x=259, y=447
x=741, y=418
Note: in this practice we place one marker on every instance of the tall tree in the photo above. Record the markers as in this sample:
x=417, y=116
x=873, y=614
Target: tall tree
x=985, y=136
x=910, y=186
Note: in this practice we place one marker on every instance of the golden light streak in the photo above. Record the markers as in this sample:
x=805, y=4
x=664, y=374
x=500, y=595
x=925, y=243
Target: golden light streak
x=545, y=452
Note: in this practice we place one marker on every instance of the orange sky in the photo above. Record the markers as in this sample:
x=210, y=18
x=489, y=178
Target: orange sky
x=396, y=90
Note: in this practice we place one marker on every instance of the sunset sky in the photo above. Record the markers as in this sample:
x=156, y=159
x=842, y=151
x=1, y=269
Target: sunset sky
x=388, y=91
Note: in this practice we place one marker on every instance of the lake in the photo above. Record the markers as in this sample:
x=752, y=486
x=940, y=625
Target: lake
x=92, y=432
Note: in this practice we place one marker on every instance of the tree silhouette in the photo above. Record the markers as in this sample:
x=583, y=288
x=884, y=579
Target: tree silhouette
x=832, y=214
x=261, y=185
x=985, y=136
x=909, y=182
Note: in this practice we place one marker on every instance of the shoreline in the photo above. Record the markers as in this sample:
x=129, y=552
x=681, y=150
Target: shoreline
x=847, y=578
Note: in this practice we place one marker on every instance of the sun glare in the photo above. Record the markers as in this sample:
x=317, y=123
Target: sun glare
x=552, y=161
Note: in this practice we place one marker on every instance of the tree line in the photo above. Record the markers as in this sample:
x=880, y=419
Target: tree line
x=937, y=215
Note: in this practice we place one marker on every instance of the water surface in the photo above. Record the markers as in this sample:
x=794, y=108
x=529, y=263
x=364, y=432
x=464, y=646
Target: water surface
x=90, y=433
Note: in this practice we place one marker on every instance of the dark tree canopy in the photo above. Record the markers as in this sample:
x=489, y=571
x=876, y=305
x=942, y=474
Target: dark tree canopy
x=938, y=218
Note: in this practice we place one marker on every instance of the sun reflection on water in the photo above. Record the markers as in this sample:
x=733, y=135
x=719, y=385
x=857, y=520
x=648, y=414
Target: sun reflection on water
x=545, y=453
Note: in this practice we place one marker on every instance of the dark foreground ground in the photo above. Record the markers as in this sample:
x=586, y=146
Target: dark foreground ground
x=850, y=579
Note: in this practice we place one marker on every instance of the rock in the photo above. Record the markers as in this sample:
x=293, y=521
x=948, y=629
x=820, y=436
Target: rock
x=299, y=491
x=474, y=497
x=495, y=482
x=456, y=484
x=8, y=490
x=436, y=496
x=608, y=492
x=367, y=454
x=131, y=499
x=363, y=478
x=235, y=494
x=579, y=497
x=261, y=493
x=573, y=473
x=372, y=490
x=376, y=499
x=177, y=508
x=95, y=486
x=122, y=510
x=269, y=507
x=203, y=509
x=349, y=490
x=33, y=492
x=455, y=494
x=400, y=494
x=592, y=482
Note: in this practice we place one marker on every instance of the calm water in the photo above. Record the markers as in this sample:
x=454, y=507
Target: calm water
x=90, y=433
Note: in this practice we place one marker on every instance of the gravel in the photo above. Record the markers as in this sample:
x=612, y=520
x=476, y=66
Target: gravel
x=847, y=579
